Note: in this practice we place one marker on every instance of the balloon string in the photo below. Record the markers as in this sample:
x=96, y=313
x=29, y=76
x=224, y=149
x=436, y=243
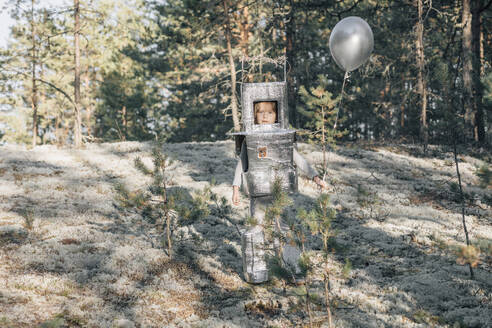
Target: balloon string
x=339, y=105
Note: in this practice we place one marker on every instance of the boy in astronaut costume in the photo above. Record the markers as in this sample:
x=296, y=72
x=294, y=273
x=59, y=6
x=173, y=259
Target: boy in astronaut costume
x=266, y=151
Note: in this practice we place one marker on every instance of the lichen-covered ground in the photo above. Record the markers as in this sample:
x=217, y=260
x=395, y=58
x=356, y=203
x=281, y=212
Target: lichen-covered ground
x=71, y=255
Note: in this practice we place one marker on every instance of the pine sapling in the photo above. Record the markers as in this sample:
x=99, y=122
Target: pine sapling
x=161, y=163
x=272, y=228
x=200, y=203
x=322, y=117
x=28, y=215
x=165, y=203
x=273, y=215
x=485, y=175
x=307, y=266
x=296, y=235
x=319, y=222
x=298, y=232
x=222, y=209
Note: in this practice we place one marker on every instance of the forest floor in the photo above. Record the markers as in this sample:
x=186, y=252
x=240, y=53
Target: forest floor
x=73, y=255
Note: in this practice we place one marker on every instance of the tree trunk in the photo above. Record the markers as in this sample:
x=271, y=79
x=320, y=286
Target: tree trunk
x=66, y=131
x=42, y=98
x=402, y=107
x=366, y=128
x=232, y=67
x=327, y=295
x=57, y=130
x=421, y=85
x=402, y=116
x=124, y=123
x=466, y=21
x=290, y=56
x=90, y=107
x=34, y=91
x=78, y=125
x=244, y=28
x=478, y=119
x=482, y=51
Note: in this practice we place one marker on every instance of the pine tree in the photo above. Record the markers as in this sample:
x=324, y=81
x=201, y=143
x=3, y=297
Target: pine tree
x=26, y=63
x=323, y=116
x=170, y=65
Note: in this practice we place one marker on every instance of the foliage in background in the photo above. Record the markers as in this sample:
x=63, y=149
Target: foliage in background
x=154, y=68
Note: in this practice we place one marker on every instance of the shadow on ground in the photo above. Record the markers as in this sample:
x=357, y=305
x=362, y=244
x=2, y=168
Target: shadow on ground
x=117, y=257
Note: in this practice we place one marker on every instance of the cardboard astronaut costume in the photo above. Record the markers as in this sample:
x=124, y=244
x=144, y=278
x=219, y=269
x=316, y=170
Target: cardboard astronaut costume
x=267, y=152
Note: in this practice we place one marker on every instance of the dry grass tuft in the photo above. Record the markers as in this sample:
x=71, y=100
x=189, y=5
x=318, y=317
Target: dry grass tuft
x=69, y=241
x=263, y=308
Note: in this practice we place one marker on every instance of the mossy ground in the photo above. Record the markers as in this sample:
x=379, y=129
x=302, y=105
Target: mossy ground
x=73, y=255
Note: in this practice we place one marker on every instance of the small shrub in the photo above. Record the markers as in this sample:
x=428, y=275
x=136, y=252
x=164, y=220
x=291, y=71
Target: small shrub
x=424, y=317
x=438, y=242
x=57, y=322
x=347, y=268
x=454, y=187
x=221, y=208
x=487, y=199
x=199, y=207
x=5, y=322
x=129, y=199
x=366, y=198
x=265, y=309
x=455, y=193
x=18, y=178
x=28, y=216
x=468, y=255
x=485, y=247
x=485, y=175
x=448, y=162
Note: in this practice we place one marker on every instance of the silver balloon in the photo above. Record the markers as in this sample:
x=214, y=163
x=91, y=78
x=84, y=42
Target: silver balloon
x=351, y=43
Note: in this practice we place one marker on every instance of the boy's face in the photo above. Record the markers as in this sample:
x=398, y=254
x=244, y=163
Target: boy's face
x=265, y=112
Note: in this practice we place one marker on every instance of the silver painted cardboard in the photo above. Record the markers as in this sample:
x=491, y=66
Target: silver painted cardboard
x=270, y=150
x=254, y=264
x=270, y=156
x=271, y=91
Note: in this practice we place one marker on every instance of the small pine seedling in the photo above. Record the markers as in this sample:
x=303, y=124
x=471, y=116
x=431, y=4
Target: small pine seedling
x=165, y=204
x=365, y=197
x=319, y=222
x=273, y=216
x=28, y=216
